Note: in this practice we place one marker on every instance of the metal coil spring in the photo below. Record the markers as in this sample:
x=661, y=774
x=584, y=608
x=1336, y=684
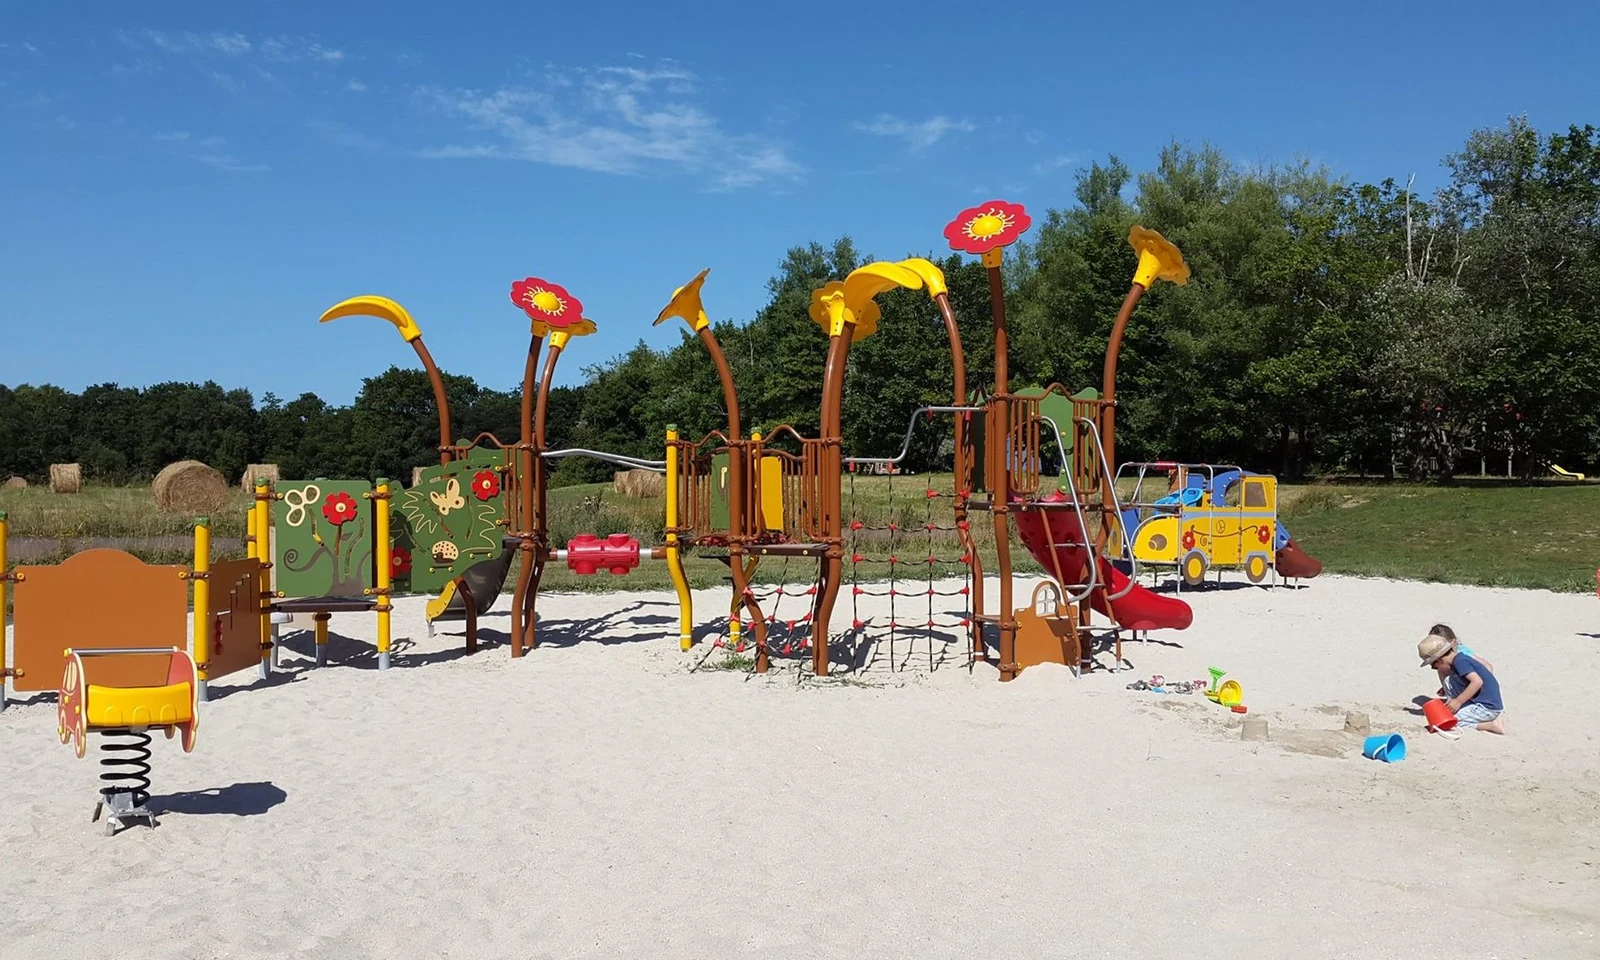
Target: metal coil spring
x=127, y=763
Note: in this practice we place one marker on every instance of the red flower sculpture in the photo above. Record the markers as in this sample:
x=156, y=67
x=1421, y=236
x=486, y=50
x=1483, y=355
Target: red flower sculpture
x=485, y=484
x=399, y=561
x=340, y=509
x=1188, y=539
x=546, y=302
x=979, y=229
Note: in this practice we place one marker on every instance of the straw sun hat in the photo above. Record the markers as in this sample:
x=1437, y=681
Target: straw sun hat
x=1432, y=648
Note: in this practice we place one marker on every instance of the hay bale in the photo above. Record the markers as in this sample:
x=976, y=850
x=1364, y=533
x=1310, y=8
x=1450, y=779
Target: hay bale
x=66, y=477
x=640, y=484
x=259, y=471
x=190, y=486
x=14, y=483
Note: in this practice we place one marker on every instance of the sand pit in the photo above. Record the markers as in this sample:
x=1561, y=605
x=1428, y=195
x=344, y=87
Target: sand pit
x=596, y=799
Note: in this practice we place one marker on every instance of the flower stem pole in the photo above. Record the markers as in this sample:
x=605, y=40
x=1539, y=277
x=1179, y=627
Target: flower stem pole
x=998, y=464
x=534, y=536
x=440, y=399
x=527, y=494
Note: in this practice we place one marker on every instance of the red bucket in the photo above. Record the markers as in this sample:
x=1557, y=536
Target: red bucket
x=1438, y=715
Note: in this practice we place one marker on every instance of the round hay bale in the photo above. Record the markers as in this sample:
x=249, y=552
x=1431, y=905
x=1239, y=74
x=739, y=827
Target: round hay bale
x=259, y=471
x=190, y=486
x=15, y=483
x=66, y=477
x=639, y=484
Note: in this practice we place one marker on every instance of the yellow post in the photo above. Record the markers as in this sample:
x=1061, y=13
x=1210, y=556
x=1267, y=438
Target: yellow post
x=5, y=671
x=250, y=532
x=201, y=577
x=680, y=583
x=381, y=495
x=263, y=530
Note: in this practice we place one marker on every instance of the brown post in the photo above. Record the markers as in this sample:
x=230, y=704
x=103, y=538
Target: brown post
x=997, y=467
x=440, y=400
x=1108, y=380
x=535, y=545
x=832, y=472
x=523, y=512
x=962, y=464
x=738, y=523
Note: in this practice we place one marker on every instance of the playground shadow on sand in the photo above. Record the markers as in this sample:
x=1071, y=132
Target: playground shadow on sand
x=237, y=800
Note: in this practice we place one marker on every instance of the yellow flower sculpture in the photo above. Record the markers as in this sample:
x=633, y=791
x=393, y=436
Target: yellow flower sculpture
x=686, y=304
x=850, y=301
x=1159, y=259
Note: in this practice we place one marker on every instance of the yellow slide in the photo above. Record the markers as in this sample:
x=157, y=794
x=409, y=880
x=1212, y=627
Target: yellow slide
x=1556, y=469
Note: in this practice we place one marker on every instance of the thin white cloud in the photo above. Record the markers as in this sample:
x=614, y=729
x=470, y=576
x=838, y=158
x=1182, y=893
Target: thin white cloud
x=338, y=134
x=918, y=134
x=211, y=151
x=30, y=48
x=620, y=120
x=230, y=163
x=355, y=86
x=1052, y=164
x=278, y=49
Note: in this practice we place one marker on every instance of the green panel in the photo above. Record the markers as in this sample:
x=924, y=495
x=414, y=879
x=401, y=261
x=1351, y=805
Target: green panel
x=322, y=533
x=454, y=517
x=719, y=492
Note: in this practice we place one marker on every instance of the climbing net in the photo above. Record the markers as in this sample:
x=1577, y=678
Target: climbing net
x=915, y=608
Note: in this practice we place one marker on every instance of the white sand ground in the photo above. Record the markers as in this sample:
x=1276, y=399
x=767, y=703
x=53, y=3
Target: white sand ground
x=598, y=799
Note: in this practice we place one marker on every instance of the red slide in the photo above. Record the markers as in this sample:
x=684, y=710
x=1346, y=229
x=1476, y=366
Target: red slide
x=1295, y=562
x=1138, y=609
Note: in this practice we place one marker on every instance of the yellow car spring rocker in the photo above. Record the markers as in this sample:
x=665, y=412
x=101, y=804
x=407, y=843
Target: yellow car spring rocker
x=121, y=695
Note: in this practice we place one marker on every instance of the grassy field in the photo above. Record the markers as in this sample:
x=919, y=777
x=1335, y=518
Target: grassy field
x=1541, y=536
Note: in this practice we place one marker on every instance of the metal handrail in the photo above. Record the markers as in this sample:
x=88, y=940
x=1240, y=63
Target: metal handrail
x=1083, y=530
x=905, y=448
x=658, y=466
x=1127, y=544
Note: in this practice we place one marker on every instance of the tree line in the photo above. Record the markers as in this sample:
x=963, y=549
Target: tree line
x=1329, y=327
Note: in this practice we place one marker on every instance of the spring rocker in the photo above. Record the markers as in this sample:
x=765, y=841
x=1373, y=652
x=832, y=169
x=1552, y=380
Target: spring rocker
x=484, y=507
x=122, y=694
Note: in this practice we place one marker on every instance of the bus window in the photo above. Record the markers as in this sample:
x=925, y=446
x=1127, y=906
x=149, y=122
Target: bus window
x=1255, y=494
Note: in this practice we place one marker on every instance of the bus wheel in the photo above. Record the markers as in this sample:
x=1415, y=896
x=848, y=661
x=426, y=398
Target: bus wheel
x=1194, y=566
x=1255, y=567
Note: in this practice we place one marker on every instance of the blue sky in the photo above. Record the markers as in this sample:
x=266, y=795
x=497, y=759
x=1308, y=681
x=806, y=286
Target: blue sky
x=189, y=184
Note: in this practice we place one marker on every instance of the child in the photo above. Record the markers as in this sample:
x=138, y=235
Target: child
x=1474, y=691
x=1442, y=630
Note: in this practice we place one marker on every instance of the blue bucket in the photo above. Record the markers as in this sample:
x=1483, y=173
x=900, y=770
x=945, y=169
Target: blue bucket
x=1387, y=747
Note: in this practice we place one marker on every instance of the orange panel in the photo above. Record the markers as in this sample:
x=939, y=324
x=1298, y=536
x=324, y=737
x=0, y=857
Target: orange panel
x=97, y=599
x=236, y=643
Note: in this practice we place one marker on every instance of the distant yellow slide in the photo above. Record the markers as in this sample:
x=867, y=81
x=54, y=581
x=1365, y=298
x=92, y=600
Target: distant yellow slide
x=1556, y=469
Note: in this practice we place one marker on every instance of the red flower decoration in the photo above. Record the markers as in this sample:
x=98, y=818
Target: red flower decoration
x=1262, y=534
x=339, y=509
x=1188, y=539
x=546, y=302
x=485, y=484
x=982, y=228
x=399, y=561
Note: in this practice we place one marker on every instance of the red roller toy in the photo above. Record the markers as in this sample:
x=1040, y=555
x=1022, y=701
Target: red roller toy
x=587, y=553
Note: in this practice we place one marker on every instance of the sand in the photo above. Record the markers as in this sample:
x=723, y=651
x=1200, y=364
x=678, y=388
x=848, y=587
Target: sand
x=597, y=799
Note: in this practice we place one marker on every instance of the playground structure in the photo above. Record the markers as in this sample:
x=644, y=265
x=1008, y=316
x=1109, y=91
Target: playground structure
x=315, y=548
x=464, y=523
x=1209, y=517
x=781, y=496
